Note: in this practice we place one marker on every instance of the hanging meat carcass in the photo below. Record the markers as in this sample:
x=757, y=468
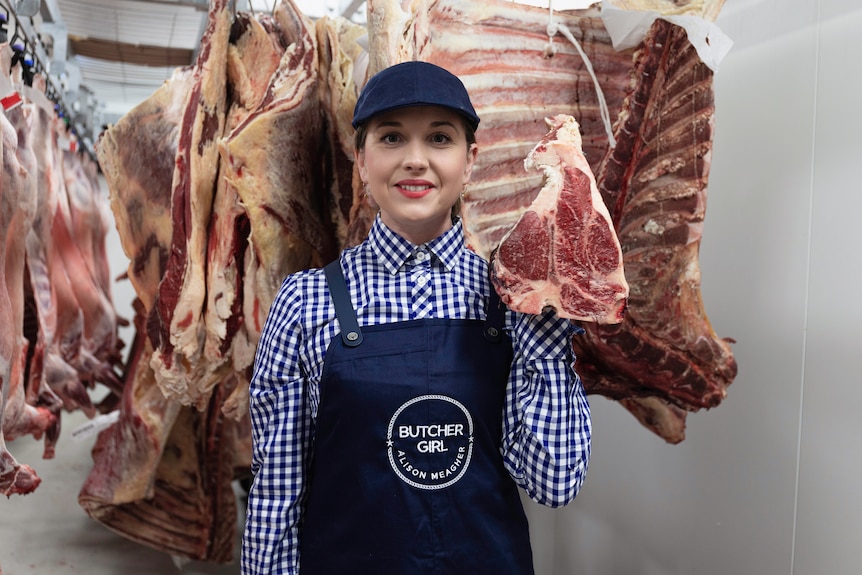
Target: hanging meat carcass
x=665, y=357
x=254, y=56
x=56, y=301
x=17, y=209
x=659, y=369
x=343, y=66
x=178, y=329
x=273, y=160
x=165, y=464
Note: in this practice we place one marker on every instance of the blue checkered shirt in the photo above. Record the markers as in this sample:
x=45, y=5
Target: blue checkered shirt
x=546, y=424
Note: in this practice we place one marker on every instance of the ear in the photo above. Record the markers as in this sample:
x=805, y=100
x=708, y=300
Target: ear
x=359, y=160
x=472, y=153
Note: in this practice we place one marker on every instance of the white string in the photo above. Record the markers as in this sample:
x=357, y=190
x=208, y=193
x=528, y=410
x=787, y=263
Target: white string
x=553, y=28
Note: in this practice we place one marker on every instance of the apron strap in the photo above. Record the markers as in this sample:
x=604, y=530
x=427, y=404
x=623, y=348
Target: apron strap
x=495, y=317
x=351, y=335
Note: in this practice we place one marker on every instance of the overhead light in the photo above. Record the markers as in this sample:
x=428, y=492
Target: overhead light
x=27, y=8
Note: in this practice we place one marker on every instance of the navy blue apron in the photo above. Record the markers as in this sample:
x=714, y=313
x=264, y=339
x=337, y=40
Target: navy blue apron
x=407, y=476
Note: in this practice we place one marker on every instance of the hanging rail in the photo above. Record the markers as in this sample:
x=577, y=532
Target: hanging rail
x=28, y=49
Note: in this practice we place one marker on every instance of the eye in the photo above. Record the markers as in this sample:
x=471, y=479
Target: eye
x=390, y=138
x=440, y=138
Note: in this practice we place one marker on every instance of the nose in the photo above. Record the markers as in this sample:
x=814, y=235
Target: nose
x=415, y=158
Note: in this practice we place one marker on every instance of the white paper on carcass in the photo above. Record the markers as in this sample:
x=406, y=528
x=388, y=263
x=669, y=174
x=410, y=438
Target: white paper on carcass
x=628, y=27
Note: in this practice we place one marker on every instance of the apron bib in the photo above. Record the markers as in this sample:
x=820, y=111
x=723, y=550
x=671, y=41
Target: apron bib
x=407, y=476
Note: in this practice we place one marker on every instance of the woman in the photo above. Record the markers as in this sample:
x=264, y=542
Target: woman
x=396, y=405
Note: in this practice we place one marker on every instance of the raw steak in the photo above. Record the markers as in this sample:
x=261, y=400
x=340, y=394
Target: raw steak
x=563, y=251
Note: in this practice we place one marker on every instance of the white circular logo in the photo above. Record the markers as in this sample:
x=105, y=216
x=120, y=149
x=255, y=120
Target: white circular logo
x=430, y=441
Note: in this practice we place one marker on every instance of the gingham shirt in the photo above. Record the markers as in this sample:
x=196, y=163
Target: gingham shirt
x=546, y=424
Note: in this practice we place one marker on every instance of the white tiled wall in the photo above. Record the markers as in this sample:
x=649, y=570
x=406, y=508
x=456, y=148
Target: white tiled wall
x=768, y=482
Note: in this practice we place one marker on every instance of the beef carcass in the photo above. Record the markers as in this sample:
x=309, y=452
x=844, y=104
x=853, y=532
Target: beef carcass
x=272, y=160
x=178, y=328
x=655, y=183
x=343, y=65
x=254, y=55
x=77, y=232
x=38, y=407
x=500, y=51
x=60, y=355
x=136, y=156
x=162, y=474
x=563, y=252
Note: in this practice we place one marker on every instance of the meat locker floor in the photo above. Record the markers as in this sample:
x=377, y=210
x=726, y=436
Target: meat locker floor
x=47, y=532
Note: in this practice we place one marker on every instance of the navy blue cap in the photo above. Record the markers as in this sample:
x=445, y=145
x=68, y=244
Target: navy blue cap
x=413, y=84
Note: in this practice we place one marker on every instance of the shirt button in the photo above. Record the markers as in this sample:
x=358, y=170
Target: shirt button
x=421, y=256
x=422, y=280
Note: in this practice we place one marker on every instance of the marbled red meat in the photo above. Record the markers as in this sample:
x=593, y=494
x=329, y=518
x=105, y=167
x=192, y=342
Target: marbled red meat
x=563, y=251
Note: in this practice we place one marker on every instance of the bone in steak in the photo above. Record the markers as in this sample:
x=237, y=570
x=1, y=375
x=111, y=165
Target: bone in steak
x=563, y=251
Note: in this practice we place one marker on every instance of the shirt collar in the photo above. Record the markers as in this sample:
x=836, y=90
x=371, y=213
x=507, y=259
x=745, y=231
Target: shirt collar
x=393, y=250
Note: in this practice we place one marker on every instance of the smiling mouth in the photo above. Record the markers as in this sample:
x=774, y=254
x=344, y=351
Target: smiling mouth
x=414, y=191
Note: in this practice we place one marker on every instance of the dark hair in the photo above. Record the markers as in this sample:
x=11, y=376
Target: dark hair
x=362, y=133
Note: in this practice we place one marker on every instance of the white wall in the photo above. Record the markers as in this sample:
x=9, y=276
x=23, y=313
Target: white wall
x=767, y=483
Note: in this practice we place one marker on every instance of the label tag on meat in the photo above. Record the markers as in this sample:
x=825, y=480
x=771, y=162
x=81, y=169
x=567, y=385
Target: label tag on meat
x=95, y=425
x=9, y=97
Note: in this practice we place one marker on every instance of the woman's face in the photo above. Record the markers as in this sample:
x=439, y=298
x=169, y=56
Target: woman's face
x=416, y=162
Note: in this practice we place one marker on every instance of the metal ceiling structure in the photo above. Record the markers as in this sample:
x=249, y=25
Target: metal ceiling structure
x=125, y=49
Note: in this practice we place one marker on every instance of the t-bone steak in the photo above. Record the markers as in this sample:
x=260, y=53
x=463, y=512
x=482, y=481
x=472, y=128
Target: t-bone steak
x=563, y=251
